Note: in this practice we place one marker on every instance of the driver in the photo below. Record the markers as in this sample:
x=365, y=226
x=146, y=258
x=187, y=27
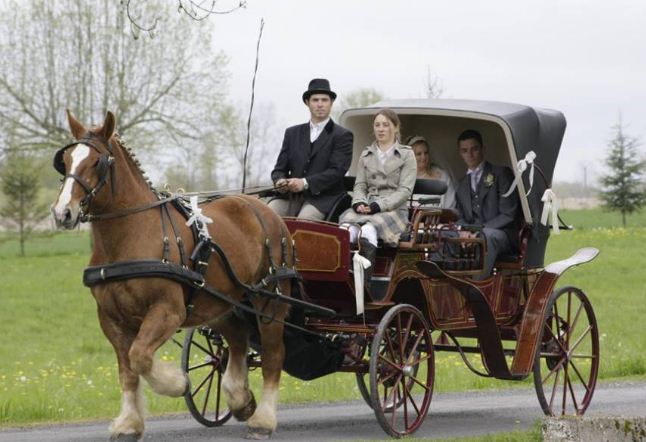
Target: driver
x=479, y=200
x=313, y=160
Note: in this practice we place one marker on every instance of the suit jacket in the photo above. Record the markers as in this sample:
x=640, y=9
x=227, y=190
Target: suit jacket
x=496, y=212
x=323, y=163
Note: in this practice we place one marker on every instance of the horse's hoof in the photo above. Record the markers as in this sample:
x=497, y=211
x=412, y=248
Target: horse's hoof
x=258, y=434
x=130, y=437
x=247, y=411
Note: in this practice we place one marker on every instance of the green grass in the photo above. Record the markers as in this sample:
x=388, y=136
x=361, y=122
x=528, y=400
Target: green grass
x=55, y=364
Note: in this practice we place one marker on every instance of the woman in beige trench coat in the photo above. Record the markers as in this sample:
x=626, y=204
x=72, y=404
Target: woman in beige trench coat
x=386, y=176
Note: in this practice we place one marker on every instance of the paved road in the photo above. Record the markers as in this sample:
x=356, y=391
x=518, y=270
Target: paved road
x=451, y=415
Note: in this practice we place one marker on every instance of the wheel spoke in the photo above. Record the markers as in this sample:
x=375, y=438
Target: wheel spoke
x=195, y=367
x=576, y=406
x=554, y=370
x=578, y=356
x=394, y=406
x=218, y=397
x=420, y=383
x=554, y=388
x=569, y=313
x=407, y=334
x=392, y=364
x=556, y=339
x=394, y=392
x=390, y=348
x=413, y=350
x=578, y=374
x=576, y=319
x=566, y=379
x=422, y=359
x=578, y=341
x=412, y=399
x=208, y=394
x=199, y=387
x=405, y=397
x=208, y=341
x=201, y=347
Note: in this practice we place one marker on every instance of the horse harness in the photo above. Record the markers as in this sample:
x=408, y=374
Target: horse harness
x=192, y=278
x=104, y=165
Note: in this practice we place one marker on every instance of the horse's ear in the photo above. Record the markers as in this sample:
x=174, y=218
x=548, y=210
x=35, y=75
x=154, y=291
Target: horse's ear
x=107, y=129
x=77, y=129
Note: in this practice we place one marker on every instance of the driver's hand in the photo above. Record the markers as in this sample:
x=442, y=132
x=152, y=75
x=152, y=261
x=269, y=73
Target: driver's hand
x=281, y=185
x=295, y=185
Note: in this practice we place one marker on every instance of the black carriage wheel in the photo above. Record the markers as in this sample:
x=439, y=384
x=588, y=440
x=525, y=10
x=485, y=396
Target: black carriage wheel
x=363, y=387
x=204, y=359
x=567, y=359
x=402, y=370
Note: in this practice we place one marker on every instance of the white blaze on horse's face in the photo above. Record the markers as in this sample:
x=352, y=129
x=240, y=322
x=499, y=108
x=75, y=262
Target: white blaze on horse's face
x=65, y=211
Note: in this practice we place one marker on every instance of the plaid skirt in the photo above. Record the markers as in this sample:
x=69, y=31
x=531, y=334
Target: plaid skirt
x=390, y=225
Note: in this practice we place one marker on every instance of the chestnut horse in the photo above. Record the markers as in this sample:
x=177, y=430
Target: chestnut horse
x=138, y=315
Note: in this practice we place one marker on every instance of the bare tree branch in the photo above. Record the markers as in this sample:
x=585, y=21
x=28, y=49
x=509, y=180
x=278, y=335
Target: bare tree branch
x=193, y=9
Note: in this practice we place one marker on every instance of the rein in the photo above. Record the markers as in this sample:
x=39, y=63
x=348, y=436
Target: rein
x=127, y=211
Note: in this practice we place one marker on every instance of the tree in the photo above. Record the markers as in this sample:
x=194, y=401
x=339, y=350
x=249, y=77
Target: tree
x=361, y=97
x=623, y=188
x=433, y=86
x=81, y=55
x=20, y=181
x=198, y=10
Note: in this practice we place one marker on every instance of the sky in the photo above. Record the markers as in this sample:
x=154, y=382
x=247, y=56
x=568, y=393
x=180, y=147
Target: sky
x=584, y=58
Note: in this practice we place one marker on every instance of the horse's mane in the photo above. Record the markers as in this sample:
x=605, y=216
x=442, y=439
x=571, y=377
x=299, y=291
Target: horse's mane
x=132, y=158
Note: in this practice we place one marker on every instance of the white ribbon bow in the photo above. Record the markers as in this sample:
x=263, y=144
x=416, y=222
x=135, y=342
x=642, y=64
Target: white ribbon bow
x=359, y=263
x=198, y=219
x=550, y=204
x=522, y=167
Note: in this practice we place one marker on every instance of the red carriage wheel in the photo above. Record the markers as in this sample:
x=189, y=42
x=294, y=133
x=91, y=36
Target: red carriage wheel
x=204, y=359
x=402, y=370
x=363, y=383
x=567, y=359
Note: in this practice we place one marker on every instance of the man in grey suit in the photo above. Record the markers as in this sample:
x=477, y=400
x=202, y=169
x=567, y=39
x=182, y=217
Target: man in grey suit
x=313, y=160
x=480, y=202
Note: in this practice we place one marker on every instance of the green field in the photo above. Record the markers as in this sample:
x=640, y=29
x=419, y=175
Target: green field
x=55, y=364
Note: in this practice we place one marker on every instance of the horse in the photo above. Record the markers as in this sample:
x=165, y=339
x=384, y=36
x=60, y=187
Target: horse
x=104, y=184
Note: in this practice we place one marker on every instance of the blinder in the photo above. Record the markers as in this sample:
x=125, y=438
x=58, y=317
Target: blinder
x=59, y=164
x=104, y=165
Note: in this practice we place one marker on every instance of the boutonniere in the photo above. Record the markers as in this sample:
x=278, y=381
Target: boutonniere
x=489, y=180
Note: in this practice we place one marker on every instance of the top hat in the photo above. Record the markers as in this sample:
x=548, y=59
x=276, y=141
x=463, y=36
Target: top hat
x=318, y=86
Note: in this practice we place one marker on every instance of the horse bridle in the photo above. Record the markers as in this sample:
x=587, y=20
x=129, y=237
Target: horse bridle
x=104, y=165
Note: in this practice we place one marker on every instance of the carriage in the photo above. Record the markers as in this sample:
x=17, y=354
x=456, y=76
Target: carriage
x=517, y=321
